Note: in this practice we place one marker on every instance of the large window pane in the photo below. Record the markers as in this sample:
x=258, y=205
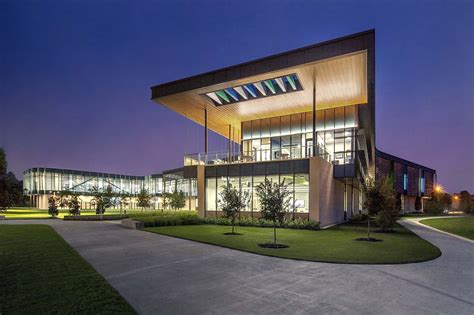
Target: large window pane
x=256, y=129
x=211, y=194
x=275, y=126
x=329, y=119
x=255, y=202
x=295, y=123
x=301, y=193
x=275, y=148
x=339, y=118
x=285, y=147
x=222, y=182
x=247, y=130
x=285, y=125
x=350, y=116
x=246, y=188
x=265, y=127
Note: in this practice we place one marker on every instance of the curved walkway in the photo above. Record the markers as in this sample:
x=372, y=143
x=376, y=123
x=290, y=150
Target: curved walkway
x=161, y=274
x=417, y=220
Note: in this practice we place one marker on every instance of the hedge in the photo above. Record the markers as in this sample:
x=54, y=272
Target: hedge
x=187, y=218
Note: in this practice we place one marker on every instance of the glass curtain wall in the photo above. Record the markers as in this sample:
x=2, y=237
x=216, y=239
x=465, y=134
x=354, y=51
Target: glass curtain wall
x=291, y=136
x=298, y=184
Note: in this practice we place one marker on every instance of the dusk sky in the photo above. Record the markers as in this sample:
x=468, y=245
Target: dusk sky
x=75, y=76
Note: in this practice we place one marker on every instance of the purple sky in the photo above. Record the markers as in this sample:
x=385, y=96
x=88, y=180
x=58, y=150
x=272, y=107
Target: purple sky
x=75, y=76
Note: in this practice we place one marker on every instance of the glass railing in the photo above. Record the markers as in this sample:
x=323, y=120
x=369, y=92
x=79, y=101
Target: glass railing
x=263, y=155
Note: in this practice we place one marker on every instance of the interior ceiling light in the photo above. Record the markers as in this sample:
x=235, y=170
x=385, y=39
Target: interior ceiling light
x=265, y=88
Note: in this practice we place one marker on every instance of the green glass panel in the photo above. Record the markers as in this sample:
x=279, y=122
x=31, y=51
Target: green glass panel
x=292, y=82
x=270, y=85
x=223, y=96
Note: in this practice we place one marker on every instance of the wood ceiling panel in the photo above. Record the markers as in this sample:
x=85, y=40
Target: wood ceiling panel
x=340, y=81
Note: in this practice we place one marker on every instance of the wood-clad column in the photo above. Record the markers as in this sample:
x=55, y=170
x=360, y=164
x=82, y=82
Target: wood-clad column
x=314, y=188
x=201, y=190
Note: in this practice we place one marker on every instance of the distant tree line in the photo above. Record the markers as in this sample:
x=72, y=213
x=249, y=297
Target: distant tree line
x=11, y=189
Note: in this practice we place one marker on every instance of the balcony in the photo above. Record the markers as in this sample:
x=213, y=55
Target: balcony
x=346, y=163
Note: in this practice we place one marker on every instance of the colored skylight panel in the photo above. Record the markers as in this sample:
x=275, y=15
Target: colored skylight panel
x=255, y=90
x=281, y=84
x=241, y=92
x=270, y=86
x=291, y=81
x=232, y=94
x=223, y=96
x=214, y=97
x=260, y=88
x=251, y=90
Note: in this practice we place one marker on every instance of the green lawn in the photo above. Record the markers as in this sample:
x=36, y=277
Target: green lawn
x=463, y=226
x=42, y=274
x=336, y=244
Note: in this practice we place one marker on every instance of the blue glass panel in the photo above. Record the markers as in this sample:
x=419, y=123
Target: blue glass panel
x=251, y=90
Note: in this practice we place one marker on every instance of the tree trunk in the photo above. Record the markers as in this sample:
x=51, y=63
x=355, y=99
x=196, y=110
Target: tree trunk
x=232, y=226
x=368, y=228
x=274, y=233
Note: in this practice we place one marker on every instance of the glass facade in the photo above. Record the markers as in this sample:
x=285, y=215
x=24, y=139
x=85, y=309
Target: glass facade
x=46, y=181
x=291, y=136
x=298, y=184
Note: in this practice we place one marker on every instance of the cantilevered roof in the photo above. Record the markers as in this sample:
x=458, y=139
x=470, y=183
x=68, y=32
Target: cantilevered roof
x=277, y=85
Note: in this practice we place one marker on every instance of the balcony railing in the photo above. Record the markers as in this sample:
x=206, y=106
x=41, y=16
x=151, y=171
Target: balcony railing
x=263, y=155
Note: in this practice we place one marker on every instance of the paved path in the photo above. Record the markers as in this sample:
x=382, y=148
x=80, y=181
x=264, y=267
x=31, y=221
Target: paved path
x=160, y=274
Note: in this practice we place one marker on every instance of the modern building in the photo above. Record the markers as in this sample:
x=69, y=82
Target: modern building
x=41, y=183
x=306, y=117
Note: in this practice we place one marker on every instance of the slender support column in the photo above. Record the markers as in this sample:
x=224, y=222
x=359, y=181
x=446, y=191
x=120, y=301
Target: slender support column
x=314, y=113
x=205, y=132
x=230, y=142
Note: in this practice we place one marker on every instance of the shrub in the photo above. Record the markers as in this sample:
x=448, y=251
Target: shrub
x=361, y=217
x=170, y=219
x=434, y=206
x=192, y=218
x=297, y=223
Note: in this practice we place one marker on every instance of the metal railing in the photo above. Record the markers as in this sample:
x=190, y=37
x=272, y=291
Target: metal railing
x=262, y=155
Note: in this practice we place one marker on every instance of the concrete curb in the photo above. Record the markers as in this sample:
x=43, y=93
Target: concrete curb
x=131, y=224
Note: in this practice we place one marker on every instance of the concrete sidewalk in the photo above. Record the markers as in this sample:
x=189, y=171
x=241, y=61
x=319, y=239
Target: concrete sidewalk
x=160, y=274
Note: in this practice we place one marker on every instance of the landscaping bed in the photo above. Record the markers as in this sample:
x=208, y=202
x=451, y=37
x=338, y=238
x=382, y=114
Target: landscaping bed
x=336, y=244
x=42, y=274
x=177, y=218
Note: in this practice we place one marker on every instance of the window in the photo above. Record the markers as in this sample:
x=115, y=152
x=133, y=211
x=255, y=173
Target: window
x=246, y=188
x=301, y=190
x=255, y=201
x=211, y=194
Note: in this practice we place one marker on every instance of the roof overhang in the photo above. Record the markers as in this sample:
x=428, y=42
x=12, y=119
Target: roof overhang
x=338, y=69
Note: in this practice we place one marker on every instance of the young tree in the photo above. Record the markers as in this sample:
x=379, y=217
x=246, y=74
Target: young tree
x=166, y=197
x=124, y=201
x=438, y=203
x=177, y=200
x=274, y=201
x=418, y=203
x=53, y=203
x=144, y=198
x=465, y=204
x=74, y=204
x=102, y=198
x=232, y=201
x=381, y=201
